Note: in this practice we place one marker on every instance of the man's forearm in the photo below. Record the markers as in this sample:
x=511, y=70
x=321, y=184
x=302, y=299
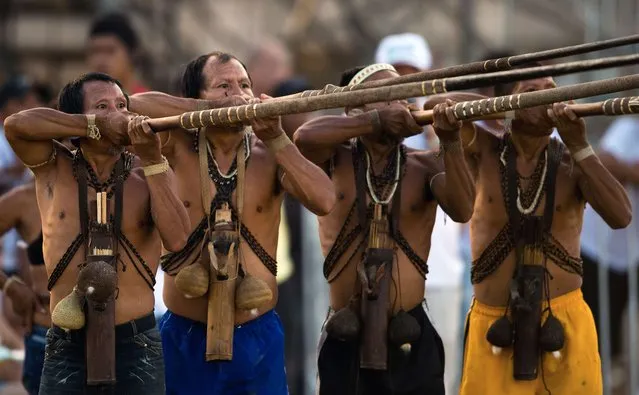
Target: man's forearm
x=306, y=181
x=318, y=138
x=169, y=214
x=456, y=189
x=41, y=124
x=604, y=193
x=158, y=104
x=622, y=171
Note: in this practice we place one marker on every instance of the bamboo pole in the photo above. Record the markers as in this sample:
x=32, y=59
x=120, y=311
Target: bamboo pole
x=610, y=107
x=500, y=64
x=441, y=85
x=465, y=110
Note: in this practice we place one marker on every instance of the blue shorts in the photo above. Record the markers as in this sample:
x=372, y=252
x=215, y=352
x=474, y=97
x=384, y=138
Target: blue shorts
x=257, y=367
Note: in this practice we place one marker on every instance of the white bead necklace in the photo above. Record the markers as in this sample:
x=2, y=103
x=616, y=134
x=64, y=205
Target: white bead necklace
x=371, y=190
x=528, y=210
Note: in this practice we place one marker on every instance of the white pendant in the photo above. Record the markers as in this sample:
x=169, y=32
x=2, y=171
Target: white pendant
x=496, y=350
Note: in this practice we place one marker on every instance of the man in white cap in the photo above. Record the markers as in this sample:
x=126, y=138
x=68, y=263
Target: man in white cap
x=409, y=53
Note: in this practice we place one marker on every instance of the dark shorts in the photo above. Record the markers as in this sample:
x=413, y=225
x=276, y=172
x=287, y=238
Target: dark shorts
x=34, y=345
x=257, y=367
x=418, y=373
x=139, y=362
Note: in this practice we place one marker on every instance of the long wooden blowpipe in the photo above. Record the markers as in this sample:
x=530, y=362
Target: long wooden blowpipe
x=488, y=79
x=465, y=110
x=610, y=107
x=500, y=64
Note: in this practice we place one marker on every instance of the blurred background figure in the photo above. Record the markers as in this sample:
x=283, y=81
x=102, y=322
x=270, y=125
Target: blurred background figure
x=290, y=257
x=112, y=48
x=16, y=94
x=617, y=249
x=409, y=53
x=269, y=65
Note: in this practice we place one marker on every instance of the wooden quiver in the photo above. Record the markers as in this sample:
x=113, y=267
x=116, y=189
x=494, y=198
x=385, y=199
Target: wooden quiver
x=346, y=324
x=97, y=283
x=526, y=334
x=251, y=293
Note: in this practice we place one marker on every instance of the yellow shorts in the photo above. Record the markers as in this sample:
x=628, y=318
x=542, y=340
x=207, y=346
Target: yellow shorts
x=578, y=371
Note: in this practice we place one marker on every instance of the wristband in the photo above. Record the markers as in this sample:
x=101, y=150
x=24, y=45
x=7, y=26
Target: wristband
x=277, y=143
x=92, y=130
x=157, y=168
x=583, y=153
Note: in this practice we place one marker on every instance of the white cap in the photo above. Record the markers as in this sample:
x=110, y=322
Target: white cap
x=408, y=49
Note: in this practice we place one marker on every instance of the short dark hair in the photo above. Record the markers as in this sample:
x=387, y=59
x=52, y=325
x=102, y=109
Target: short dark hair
x=118, y=25
x=507, y=89
x=348, y=75
x=193, y=78
x=71, y=98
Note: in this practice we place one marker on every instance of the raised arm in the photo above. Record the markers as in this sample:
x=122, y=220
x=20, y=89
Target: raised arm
x=304, y=180
x=600, y=188
x=158, y=105
x=31, y=132
x=168, y=212
x=624, y=172
x=319, y=138
x=453, y=186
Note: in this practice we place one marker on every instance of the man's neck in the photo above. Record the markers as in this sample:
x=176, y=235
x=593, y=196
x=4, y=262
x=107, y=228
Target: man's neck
x=101, y=159
x=529, y=147
x=225, y=142
x=378, y=151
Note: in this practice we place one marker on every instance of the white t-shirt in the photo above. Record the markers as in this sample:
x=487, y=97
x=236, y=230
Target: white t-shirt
x=615, y=248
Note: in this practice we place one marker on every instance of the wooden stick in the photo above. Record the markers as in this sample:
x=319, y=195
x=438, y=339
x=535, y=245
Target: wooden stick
x=242, y=114
x=492, y=65
x=617, y=106
x=98, y=201
x=104, y=207
x=481, y=80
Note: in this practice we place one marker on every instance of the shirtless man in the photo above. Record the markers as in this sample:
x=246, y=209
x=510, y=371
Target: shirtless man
x=257, y=364
x=513, y=289
x=344, y=145
x=151, y=215
x=30, y=298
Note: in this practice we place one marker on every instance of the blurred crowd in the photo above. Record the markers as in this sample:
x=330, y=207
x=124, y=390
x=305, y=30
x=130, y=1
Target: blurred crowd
x=111, y=45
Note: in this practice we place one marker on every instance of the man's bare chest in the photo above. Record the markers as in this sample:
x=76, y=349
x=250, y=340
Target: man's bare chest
x=197, y=188
x=61, y=205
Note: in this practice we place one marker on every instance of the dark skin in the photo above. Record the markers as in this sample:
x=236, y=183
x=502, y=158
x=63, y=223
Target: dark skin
x=268, y=175
x=31, y=134
x=324, y=138
x=18, y=209
x=587, y=181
